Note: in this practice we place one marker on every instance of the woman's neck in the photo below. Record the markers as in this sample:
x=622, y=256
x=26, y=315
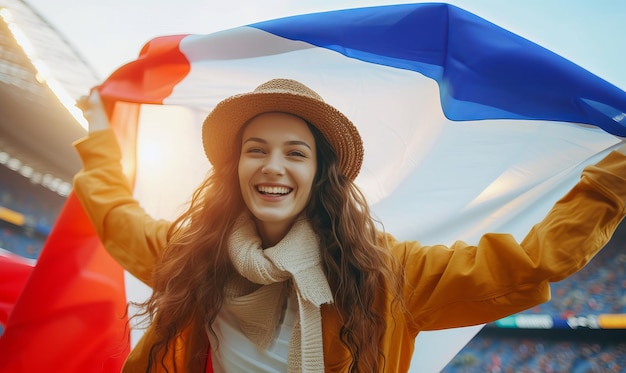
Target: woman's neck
x=271, y=234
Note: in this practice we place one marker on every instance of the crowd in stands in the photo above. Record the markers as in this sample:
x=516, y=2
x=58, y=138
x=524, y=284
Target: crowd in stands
x=599, y=288
x=23, y=242
x=487, y=354
x=39, y=206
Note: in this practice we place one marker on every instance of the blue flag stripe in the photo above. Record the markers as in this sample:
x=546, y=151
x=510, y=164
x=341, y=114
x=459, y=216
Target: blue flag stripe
x=483, y=70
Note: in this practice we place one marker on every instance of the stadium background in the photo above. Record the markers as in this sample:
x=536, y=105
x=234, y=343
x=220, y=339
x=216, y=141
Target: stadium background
x=583, y=329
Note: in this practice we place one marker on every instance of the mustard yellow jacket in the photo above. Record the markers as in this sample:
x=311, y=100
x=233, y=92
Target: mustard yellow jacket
x=446, y=287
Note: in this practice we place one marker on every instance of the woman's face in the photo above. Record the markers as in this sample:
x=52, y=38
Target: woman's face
x=276, y=169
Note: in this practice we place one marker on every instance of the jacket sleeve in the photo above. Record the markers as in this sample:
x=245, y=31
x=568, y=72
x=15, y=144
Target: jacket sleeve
x=464, y=285
x=128, y=233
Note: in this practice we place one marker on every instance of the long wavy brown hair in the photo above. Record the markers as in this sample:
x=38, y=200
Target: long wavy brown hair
x=189, y=281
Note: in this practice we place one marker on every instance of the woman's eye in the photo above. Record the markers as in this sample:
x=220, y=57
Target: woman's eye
x=296, y=153
x=255, y=150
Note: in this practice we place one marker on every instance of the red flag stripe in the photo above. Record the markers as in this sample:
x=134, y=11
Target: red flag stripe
x=152, y=77
x=71, y=315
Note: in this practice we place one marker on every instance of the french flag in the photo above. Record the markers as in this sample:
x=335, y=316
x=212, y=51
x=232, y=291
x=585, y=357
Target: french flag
x=467, y=128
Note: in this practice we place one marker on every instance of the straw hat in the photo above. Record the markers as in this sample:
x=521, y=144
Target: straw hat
x=222, y=125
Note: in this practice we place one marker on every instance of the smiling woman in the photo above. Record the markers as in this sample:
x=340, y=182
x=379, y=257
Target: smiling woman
x=426, y=177
x=276, y=170
x=277, y=264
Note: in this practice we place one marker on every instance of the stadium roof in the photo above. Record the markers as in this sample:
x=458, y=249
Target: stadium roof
x=41, y=76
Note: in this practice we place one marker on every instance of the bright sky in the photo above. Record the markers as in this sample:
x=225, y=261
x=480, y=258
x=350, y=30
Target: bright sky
x=111, y=33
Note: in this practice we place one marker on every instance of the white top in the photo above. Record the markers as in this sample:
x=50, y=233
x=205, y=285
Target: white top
x=233, y=352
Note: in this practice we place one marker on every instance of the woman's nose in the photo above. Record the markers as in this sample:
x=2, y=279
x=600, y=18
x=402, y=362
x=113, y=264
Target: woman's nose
x=273, y=165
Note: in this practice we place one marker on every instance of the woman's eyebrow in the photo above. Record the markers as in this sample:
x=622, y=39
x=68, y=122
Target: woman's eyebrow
x=298, y=142
x=292, y=142
x=255, y=139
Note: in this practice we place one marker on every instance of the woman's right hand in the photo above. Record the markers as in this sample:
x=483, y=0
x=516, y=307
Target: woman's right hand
x=93, y=111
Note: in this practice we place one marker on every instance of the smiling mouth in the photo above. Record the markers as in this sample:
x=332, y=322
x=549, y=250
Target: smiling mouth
x=273, y=190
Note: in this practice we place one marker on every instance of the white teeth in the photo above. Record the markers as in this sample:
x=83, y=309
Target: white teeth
x=273, y=189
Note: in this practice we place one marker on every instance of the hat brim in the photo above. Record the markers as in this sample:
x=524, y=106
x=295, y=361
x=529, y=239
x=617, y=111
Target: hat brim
x=222, y=126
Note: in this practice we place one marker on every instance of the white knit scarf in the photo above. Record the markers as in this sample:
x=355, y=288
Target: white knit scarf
x=259, y=308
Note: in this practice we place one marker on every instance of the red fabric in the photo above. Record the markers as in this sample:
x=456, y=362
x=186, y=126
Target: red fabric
x=71, y=314
x=209, y=362
x=152, y=76
x=14, y=272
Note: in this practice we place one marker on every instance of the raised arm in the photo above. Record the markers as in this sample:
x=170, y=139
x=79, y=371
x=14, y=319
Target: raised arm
x=127, y=232
x=464, y=284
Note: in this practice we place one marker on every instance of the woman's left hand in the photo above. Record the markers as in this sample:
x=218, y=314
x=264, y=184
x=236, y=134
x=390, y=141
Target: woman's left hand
x=93, y=111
